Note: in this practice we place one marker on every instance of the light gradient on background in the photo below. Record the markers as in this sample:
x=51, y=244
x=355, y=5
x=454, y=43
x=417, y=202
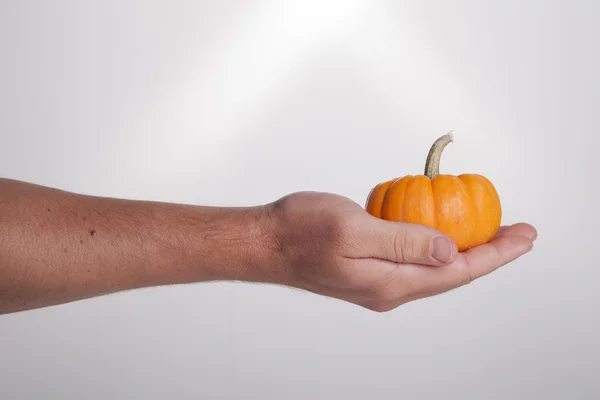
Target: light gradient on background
x=239, y=103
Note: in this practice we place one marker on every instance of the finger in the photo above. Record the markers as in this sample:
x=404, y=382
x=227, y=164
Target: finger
x=485, y=259
x=520, y=228
x=476, y=263
x=404, y=243
x=502, y=230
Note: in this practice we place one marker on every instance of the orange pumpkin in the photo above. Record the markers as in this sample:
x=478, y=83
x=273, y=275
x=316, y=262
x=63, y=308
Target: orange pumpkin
x=465, y=207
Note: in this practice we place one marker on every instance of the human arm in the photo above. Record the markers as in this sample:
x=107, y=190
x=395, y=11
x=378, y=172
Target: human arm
x=57, y=247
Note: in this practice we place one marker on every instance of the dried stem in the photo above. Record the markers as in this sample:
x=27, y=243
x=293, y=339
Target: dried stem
x=432, y=166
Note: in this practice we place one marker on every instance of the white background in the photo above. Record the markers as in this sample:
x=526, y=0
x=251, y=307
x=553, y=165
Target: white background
x=239, y=103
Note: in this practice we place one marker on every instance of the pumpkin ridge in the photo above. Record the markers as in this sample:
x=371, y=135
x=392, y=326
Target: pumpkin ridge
x=475, y=226
x=435, y=221
x=493, y=192
x=494, y=195
x=405, y=202
x=393, y=205
x=385, y=195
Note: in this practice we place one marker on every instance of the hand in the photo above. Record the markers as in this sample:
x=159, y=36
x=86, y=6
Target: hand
x=331, y=246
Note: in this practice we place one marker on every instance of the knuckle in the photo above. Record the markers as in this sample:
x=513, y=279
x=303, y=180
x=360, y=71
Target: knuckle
x=406, y=247
x=465, y=276
x=411, y=246
x=400, y=251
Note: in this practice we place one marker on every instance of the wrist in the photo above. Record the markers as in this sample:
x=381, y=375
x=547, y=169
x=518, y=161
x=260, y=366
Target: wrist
x=247, y=248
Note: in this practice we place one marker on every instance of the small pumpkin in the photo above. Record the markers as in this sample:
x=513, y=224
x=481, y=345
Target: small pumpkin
x=465, y=207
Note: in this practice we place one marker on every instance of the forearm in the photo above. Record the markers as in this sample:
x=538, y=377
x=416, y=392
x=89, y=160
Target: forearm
x=57, y=247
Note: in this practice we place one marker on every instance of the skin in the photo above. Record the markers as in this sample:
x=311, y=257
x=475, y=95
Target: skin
x=57, y=247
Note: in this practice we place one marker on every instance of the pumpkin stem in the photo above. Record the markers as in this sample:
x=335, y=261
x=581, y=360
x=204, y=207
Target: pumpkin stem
x=432, y=166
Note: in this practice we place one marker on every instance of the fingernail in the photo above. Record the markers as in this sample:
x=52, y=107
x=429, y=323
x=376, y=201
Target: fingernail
x=442, y=249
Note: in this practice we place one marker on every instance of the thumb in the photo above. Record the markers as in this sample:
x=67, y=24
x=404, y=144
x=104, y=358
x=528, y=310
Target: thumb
x=403, y=242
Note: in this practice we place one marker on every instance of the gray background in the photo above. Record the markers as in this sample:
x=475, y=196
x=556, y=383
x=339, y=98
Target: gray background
x=239, y=103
